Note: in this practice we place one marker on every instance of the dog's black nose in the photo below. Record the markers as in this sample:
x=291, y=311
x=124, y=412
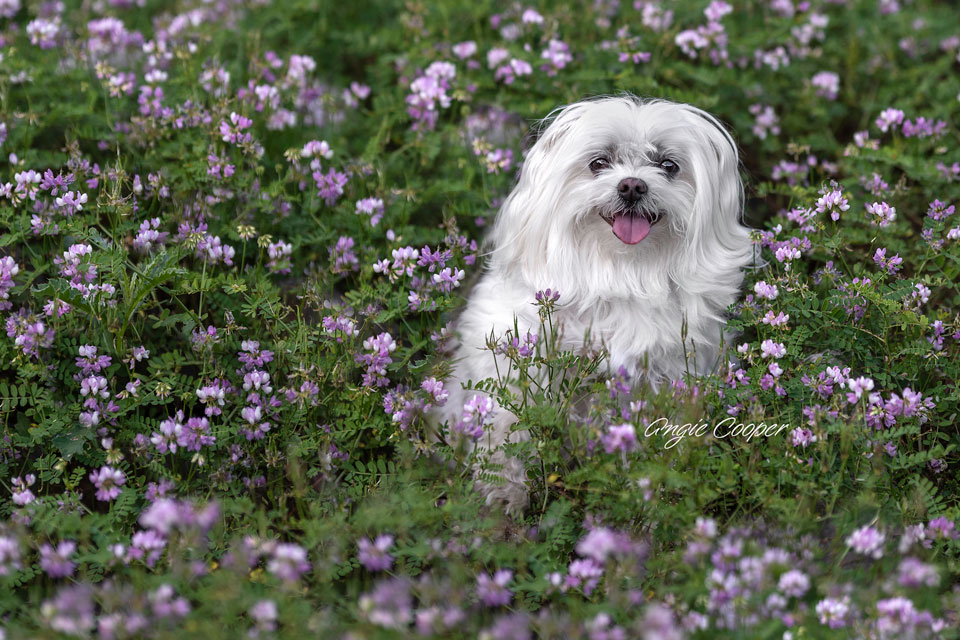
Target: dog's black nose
x=631, y=189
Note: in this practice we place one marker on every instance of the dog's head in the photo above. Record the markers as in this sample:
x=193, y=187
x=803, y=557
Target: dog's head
x=619, y=183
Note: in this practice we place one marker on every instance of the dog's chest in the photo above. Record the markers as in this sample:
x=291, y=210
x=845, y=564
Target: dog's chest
x=651, y=335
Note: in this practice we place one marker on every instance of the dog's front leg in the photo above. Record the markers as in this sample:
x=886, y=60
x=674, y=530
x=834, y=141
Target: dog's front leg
x=507, y=482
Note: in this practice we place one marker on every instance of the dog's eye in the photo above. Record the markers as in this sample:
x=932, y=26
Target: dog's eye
x=599, y=164
x=670, y=167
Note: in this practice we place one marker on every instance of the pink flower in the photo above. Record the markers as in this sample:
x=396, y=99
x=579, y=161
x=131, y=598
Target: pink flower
x=620, y=438
x=857, y=387
x=827, y=84
x=373, y=555
x=883, y=213
x=771, y=349
x=801, y=437
x=493, y=592
x=108, y=482
x=889, y=118
x=767, y=291
x=21, y=490
x=465, y=49
x=867, y=541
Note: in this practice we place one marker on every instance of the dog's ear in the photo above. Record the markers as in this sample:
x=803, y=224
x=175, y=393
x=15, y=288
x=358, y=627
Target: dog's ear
x=720, y=139
x=549, y=131
x=518, y=236
x=719, y=200
x=728, y=186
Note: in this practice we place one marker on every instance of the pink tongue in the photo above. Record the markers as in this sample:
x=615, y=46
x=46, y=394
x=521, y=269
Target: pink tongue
x=629, y=228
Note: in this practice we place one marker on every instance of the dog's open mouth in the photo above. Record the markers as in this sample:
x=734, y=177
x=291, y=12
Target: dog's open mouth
x=632, y=225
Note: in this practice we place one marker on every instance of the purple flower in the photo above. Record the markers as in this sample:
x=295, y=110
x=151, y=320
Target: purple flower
x=435, y=388
x=448, y=279
x=475, y=412
x=493, y=592
x=585, y=574
x=833, y=612
x=914, y=573
x=162, y=516
x=342, y=257
x=716, y=10
x=620, y=438
x=940, y=210
x=43, y=32
x=777, y=320
x=289, y=562
x=89, y=363
x=213, y=396
x=21, y=490
x=889, y=118
x=794, y=583
x=600, y=543
x=9, y=555
x=801, y=437
x=340, y=327
x=867, y=541
x=373, y=555
x=29, y=332
x=923, y=128
x=557, y=55
x=149, y=236
x=883, y=214
x=108, y=482
x=897, y=617
x=316, y=149
x=832, y=201
x=512, y=70
x=892, y=265
x=330, y=185
x=212, y=250
x=71, y=611
x=230, y=131
x=548, y=296
x=705, y=528
x=389, y=605
x=766, y=291
x=147, y=546
x=251, y=356
x=264, y=614
x=465, y=50
x=771, y=349
x=70, y=202
x=531, y=16
x=170, y=434
x=941, y=527
x=765, y=120
x=165, y=605
x=56, y=184
x=372, y=207
x=56, y=563
x=428, y=94
x=857, y=388
x=8, y=269
x=827, y=84
x=376, y=359
x=279, y=253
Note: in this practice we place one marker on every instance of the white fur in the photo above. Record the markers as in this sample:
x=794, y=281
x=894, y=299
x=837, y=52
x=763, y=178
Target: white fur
x=631, y=300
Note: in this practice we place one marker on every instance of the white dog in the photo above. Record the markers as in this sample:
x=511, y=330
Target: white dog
x=631, y=209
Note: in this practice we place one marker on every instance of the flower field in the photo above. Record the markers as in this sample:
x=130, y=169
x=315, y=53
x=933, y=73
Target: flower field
x=234, y=236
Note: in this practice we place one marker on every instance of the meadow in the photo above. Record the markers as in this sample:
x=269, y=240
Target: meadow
x=234, y=236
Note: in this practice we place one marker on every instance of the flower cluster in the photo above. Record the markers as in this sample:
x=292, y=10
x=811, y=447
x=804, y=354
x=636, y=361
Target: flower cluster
x=428, y=94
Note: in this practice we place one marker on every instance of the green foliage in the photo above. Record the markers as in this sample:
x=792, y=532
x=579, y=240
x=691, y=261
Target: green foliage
x=207, y=268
